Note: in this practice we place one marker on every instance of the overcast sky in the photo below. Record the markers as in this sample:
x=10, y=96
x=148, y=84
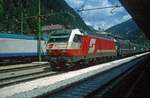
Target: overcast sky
x=100, y=18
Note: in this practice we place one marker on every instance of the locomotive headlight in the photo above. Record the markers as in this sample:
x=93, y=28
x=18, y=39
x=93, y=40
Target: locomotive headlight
x=63, y=50
x=49, y=51
x=50, y=45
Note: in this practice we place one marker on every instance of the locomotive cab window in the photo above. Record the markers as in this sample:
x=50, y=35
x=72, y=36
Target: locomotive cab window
x=59, y=36
x=77, y=38
x=58, y=39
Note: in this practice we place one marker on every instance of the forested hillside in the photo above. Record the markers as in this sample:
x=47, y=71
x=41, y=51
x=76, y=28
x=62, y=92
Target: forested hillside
x=128, y=30
x=13, y=13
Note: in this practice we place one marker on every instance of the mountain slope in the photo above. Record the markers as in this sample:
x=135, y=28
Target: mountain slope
x=52, y=11
x=127, y=30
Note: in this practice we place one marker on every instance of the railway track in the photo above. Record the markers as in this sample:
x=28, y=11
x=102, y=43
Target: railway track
x=11, y=74
x=101, y=82
x=8, y=62
x=19, y=72
x=13, y=61
x=77, y=83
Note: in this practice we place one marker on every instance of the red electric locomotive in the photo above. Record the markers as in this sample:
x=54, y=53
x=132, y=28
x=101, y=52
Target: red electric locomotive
x=70, y=48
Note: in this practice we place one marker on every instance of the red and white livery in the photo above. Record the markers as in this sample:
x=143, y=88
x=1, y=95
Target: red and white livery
x=68, y=48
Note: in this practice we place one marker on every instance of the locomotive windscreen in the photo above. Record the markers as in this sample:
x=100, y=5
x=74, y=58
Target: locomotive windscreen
x=59, y=36
x=59, y=39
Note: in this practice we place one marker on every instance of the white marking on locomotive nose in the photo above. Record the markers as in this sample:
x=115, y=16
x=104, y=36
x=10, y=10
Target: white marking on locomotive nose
x=92, y=45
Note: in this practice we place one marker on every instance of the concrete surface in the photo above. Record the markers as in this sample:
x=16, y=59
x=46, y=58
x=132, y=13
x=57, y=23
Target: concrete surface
x=48, y=84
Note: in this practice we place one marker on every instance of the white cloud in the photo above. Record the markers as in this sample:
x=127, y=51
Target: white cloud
x=107, y=3
x=75, y=3
x=88, y=23
x=120, y=9
x=126, y=17
x=98, y=4
x=100, y=18
x=101, y=24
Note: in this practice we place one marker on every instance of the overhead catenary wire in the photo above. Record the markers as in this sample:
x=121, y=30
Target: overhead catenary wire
x=98, y=8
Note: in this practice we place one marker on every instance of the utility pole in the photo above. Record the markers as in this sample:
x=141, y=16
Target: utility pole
x=22, y=17
x=21, y=22
x=39, y=31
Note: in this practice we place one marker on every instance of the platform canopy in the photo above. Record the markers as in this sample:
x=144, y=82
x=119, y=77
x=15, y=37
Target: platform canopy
x=139, y=10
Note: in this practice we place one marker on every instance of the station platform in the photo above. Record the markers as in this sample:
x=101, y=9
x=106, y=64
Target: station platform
x=39, y=87
x=134, y=85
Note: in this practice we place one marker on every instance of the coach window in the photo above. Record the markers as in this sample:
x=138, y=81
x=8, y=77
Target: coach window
x=77, y=38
